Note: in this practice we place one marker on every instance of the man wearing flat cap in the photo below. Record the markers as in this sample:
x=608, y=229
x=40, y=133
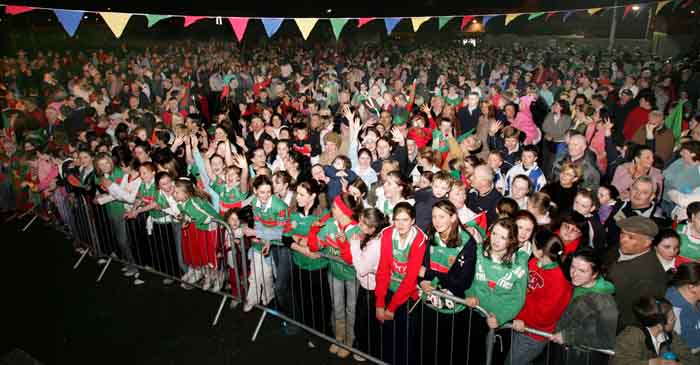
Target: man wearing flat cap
x=634, y=268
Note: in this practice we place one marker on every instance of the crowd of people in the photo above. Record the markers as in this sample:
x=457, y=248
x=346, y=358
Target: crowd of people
x=540, y=183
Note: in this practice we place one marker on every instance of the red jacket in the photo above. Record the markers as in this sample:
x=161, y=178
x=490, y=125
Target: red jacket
x=548, y=295
x=407, y=288
x=635, y=120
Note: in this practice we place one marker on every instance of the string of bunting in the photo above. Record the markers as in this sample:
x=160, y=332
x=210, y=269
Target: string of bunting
x=116, y=21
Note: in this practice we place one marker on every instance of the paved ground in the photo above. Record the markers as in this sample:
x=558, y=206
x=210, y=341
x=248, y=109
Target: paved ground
x=62, y=316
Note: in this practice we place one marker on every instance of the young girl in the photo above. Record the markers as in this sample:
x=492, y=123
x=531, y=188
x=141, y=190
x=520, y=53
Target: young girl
x=333, y=240
x=591, y=317
x=586, y=203
x=199, y=237
x=395, y=191
x=107, y=175
x=470, y=220
x=526, y=223
x=607, y=198
x=310, y=291
x=448, y=267
x=540, y=205
x=520, y=189
x=235, y=217
x=548, y=294
x=365, y=249
x=690, y=235
x=667, y=246
x=234, y=189
x=403, y=247
x=271, y=215
x=500, y=281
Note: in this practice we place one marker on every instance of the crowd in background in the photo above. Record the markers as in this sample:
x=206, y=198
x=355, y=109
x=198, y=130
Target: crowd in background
x=557, y=187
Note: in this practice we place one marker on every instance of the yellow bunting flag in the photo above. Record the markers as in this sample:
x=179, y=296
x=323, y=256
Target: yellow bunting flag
x=306, y=25
x=417, y=21
x=511, y=17
x=116, y=21
x=660, y=5
x=593, y=11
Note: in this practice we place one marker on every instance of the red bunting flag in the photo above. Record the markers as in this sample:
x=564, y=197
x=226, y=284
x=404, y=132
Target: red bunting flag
x=15, y=9
x=238, y=25
x=363, y=21
x=189, y=19
x=549, y=15
x=466, y=20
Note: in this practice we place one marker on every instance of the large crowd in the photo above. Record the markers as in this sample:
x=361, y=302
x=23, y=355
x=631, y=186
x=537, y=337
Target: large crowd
x=556, y=187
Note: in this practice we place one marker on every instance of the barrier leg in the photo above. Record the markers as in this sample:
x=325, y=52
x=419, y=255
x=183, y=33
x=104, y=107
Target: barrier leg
x=30, y=223
x=490, y=341
x=218, y=312
x=10, y=218
x=104, y=269
x=80, y=260
x=257, y=328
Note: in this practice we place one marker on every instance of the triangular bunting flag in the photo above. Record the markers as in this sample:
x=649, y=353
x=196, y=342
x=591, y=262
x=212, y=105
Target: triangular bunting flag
x=443, y=20
x=16, y=9
x=660, y=5
x=485, y=19
x=465, y=20
x=306, y=25
x=628, y=8
x=338, y=24
x=535, y=15
x=238, y=25
x=271, y=25
x=593, y=11
x=566, y=16
x=116, y=21
x=363, y=21
x=390, y=24
x=153, y=19
x=511, y=17
x=190, y=19
x=417, y=21
x=69, y=19
x=549, y=15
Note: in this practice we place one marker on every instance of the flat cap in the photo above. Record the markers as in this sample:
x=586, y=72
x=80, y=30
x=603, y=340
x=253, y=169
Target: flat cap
x=639, y=225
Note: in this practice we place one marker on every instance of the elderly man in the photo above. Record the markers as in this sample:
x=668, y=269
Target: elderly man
x=579, y=154
x=483, y=197
x=634, y=268
x=655, y=135
x=642, y=202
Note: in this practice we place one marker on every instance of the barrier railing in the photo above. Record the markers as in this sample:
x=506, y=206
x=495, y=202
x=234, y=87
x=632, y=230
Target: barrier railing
x=304, y=295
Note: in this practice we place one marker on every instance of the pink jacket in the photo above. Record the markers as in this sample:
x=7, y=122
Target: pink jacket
x=524, y=122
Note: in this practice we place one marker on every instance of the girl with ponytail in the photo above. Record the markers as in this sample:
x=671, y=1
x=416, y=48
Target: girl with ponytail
x=548, y=294
x=199, y=237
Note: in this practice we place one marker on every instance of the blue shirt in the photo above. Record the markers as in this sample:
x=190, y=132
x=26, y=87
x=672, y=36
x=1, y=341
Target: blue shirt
x=688, y=318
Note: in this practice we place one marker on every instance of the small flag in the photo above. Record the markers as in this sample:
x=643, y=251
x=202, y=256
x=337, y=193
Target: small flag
x=363, y=21
x=189, y=20
x=272, y=25
x=418, y=21
x=660, y=5
x=153, y=19
x=485, y=19
x=69, y=19
x=238, y=25
x=306, y=25
x=535, y=15
x=465, y=20
x=511, y=17
x=338, y=24
x=116, y=21
x=390, y=24
x=16, y=9
x=442, y=20
x=674, y=121
x=593, y=11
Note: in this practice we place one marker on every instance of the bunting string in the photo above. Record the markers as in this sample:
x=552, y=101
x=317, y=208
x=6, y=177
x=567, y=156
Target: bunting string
x=117, y=21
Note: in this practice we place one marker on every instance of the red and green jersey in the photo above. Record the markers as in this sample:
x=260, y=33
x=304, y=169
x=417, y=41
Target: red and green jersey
x=229, y=197
x=500, y=288
x=690, y=249
x=441, y=260
x=201, y=212
x=270, y=216
x=300, y=225
x=147, y=192
x=114, y=207
x=334, y=240
x=439, y=141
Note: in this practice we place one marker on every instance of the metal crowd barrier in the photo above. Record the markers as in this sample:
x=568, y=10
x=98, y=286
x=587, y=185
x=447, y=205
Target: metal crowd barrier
x=303, y=299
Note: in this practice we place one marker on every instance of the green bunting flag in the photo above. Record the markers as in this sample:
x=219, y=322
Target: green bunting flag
x=674, y=121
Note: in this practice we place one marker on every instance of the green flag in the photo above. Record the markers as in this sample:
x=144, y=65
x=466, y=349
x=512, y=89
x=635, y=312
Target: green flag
x=674, y=121
x=535, y=15
x=337, y=24
x=442, y=20
x=154, y=18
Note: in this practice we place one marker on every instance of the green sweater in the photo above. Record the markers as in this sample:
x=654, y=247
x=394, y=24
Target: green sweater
x=300, y=225
x=331, y=245
x=500, y=288
x=201, y=212
x=115, y=207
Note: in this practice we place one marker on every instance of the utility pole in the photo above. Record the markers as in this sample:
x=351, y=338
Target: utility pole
x=613, y=28
x=651, y=26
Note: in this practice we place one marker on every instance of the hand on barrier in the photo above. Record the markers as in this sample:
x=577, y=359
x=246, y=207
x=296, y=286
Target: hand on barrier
x=518, y=325
x=380, y=314
x=472, y=302
x=558, y=338
x=426, y=287
x=388, y=315
x=266, y=249
x=491, y=321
